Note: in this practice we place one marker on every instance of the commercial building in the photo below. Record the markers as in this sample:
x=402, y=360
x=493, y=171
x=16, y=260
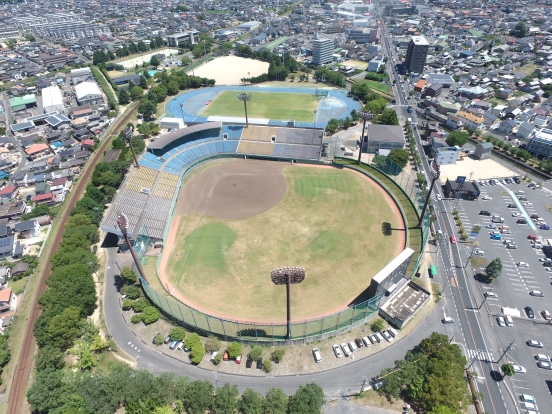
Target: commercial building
x=322, y=51
x=191, y=37
x=22, y=102
x=52, y=101
x=471, y=120
x=363, y=35
x=375, y=64
x=248, y=26
x=88, y=93
x=383, y=137
x=416, y=54
x=77, y=76
x=483, y=150
x=446, y=155
x=540, y=142
x=468, y=190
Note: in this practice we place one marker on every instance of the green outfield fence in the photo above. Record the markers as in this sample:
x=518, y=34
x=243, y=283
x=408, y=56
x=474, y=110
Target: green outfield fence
x=407, y=199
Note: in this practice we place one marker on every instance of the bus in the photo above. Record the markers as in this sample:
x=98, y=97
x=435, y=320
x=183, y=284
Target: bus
x=432, y=271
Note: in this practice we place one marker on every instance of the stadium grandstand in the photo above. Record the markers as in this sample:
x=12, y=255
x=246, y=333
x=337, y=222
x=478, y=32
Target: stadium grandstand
x=148, y=194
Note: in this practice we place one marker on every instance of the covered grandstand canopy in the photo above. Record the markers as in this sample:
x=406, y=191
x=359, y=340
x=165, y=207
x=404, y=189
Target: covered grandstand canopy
x=166, y=139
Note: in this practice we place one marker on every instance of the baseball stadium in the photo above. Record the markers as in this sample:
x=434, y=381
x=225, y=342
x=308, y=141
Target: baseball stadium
x=218, y=204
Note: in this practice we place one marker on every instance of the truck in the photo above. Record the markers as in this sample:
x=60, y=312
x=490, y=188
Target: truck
x=510, y=312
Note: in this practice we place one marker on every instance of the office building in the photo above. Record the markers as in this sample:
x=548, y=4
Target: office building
x=541, y=142
x=380, y=137
x=416, y=54
x=322, y=51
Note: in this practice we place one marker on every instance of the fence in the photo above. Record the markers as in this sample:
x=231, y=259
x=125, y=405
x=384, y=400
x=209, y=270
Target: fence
x=309, y=329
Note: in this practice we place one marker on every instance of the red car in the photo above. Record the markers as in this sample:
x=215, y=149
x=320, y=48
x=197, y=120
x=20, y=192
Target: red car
x=532, y=237
x=453, y=239
x=238, y=360
x=208, y=102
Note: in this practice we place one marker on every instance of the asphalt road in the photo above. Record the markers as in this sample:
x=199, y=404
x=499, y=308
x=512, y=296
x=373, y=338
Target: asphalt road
x=9, y=120
x=468, y=331
x=337, y=382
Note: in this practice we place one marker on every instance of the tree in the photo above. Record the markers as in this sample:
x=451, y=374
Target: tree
x=494, y=269
x=251, y=402
x=137, y=318
x=136, y=93
x=377, y=325
x=226, y=399
x=2, y=131
x=256, y=353
x=388, y=117
x=172, y=88
x=124, y=96
x=154, y=61
x=267, y=366
x=234, y=349
x=185, y=60
x=128, y=276
x=47, y=394
x=278, y=354
x=198, y=397
x=218, y=359
x=442, y=409
x=49, y=357
x=177, y=333
x=457, y=138
x=276, y=402
x=64, y=328
x=139, y=305
x=132, y=292
x=127, y=304
x=212, y=344
x=307, y=399
x=508, y=369
x=192, y=340
x=150, y=315
x=400, y=156
x=520, y=30
x=147, y=109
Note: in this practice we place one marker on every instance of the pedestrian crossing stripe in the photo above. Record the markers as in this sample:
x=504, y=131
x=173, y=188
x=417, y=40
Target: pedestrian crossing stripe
x=480, y=354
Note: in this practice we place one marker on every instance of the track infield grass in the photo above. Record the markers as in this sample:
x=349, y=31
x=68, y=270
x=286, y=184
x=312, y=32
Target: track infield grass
x=269, y=105
x=329, y=222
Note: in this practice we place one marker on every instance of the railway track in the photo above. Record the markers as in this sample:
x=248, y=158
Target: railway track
x=23, y=370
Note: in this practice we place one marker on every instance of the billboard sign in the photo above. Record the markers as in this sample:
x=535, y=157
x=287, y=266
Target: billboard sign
x=461, y=179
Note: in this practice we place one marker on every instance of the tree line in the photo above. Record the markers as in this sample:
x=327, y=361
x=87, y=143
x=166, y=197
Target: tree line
x=375, y=104
x=279, y=66
x=131, y=48
x=141, y=392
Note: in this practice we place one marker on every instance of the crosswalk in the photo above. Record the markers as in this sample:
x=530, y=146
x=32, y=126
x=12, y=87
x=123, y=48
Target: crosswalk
x=479, y=354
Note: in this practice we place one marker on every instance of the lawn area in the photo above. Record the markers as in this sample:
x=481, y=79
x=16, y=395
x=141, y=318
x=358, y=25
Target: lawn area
x=527, y=69
x=223, y=264
x=271, y=105
x=19, y=285
x=378, y=86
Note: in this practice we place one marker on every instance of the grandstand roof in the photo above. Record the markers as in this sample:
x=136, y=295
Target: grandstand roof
x=166, y=139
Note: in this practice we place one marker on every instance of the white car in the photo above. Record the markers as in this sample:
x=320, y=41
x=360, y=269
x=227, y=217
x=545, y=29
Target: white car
x=387, y=336
x=518, y=369
x=528, y=204
x=316, y=355
x=345, y=349
x=337, y=351
x=486, y=198
x=353, y=346
x=501, y=321
x=491, y=294
x=490, y=226
x=517, y=215
x=522, y=264
x=438, y=197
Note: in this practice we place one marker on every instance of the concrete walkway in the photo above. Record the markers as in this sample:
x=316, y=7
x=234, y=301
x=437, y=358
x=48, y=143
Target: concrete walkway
x=350, y=407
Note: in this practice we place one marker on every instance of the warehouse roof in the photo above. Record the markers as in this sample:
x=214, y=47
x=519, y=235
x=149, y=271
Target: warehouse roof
x=86, y=88
x=51, y=96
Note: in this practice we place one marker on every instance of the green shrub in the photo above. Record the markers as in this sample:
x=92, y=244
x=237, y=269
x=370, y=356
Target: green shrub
x=127, y=304
x=278, y=354
x=140, y=304
x=137, y=318
x=256, y=353
x=212, y=344
x=377, y=325
x=267, y=366
x=191, y=340
x=159, y=339
x=132, y=292
x=234, y=350
x=150, y=315
x=217, y=359
x=197, y=352
x=177, y=333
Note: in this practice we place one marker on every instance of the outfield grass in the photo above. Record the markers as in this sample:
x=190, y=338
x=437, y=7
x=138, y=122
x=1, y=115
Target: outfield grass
x=271, y=105
x=329, y=222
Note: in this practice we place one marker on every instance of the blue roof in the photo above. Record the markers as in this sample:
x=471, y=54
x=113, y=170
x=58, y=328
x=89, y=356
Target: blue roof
x=3, y=174
x=22, y=126
x=467, y=53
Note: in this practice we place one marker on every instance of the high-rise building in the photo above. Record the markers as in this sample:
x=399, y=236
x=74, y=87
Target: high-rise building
x=416, y=54
x=322, y=51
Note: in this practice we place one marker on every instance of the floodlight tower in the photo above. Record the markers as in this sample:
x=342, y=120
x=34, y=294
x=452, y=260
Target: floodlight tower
x=435, y=173
x=245, y=97
x=122, y=222
x=365, y=116
x=128, y=134
x=287, y=276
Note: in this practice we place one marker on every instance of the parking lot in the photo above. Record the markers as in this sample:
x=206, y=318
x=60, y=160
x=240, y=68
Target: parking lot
x=524, y=274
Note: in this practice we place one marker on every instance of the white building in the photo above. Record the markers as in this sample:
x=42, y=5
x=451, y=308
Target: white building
x=52, y=101
x=446, y=155
x=375, y=64
x=88, y=93
x=322, y=51
x=171, y=123
x=541, y=142
x=191, y=37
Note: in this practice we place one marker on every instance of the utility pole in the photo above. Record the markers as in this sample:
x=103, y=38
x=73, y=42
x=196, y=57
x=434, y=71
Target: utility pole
x=128, y=134
x=435, y=172
x=365, y=116
x=122, y=222
x=504, y=353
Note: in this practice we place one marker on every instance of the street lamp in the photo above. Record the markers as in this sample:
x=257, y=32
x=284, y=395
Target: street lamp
x=435, y=170
x=122, y=222
x=365, y=116
x=314, y=117
x=287, y=276
x=245, y=97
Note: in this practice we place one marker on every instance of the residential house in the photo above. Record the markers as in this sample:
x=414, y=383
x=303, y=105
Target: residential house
x=483, y=150
x=524, y=130
x=27, y=229
x=37, y=151
x=20, y=268
x=9, y=192
x=434, y=90
x=506, y=126
x=49, y=198
x=471, y=120
x=454, y=122
x=8, y=301
x=61, y=185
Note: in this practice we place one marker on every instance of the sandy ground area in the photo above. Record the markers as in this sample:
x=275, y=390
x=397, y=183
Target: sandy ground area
x=359, y=64
x=479, y=170
x=228, y=70
x=138, y=60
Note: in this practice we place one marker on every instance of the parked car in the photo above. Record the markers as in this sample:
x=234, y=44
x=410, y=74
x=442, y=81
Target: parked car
x=532, y=237
x=546, y=315
x=544, y=227
x=501, y=321
x=517, y=215
x=511, y=246
x=521, y=221
x=544, y=365
x=491, y=294
x=345, y=349
x=352, y=346
x=238, y=359
x=512, y=206
x=486, y=198
x=484, y=213
x=528, y=398
x=373, y=339
x=518, y=369
x=167, y=339
x=173, y=345
x=316, y=355
x=359, y=343
x=522, y=264
x=529, y=312
x=337, y=351
x=259, y=364
x=447, y=319
x=366, y=341
x=249, y=362
x=516, y=180
x=537, y=293
x=387, y=336
x=496, y=236
x=490, y=226
x=534, y=343
x=542, y=357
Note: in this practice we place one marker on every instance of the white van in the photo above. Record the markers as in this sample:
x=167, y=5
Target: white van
x=379, y=337
x=180, y=346
x=509, y=321
x=392, y=332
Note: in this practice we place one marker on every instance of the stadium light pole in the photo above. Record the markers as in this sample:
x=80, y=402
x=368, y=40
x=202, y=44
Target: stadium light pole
x=435, y=172
x=245, y=97
x=365, y=116
x=314, y=118
x=288, y=275
x=128, y=135
x=122, y=222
